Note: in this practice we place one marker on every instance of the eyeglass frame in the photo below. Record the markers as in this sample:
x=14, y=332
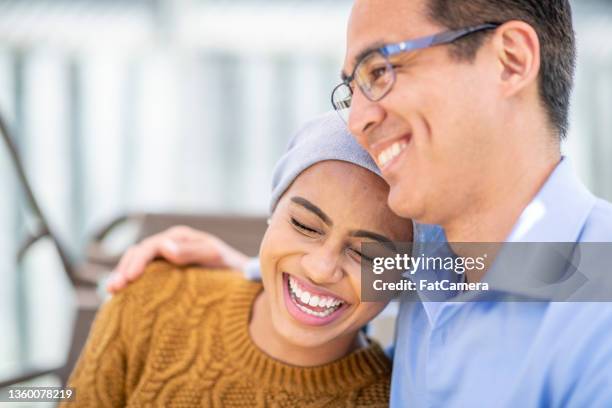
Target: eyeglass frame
x=445, y=37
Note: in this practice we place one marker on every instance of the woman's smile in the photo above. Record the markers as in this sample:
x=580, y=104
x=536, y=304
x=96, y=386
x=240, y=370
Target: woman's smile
x=309, y=305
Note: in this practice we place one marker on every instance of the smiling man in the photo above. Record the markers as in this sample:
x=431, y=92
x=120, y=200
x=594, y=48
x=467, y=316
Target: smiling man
x=464, y=104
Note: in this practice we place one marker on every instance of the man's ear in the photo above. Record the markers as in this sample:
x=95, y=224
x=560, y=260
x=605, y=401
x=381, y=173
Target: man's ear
x=518, y=52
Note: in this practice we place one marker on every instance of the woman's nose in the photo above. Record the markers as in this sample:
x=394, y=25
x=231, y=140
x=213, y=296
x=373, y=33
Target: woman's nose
x=323, y=265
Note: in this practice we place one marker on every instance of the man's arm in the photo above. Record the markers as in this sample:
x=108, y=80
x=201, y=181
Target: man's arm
x=180, y=245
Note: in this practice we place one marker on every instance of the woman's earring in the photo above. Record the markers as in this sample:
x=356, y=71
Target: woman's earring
x=269, y=221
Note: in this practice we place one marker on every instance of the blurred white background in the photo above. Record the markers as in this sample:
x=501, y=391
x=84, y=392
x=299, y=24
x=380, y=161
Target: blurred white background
x=183, y=105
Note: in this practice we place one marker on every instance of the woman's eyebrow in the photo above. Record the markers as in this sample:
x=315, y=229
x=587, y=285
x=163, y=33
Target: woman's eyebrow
x=301, y=201
x=386, y=242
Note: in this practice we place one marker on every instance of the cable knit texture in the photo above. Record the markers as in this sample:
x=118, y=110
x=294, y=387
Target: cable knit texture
x=178, y=337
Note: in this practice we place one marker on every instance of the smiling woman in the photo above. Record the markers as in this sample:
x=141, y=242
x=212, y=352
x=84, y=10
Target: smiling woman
x=197, y=337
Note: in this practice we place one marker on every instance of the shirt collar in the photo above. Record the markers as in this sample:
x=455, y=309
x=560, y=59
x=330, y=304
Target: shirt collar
x=558, y=212
x=430, y=240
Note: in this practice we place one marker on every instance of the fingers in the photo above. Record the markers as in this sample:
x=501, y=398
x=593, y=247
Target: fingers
x=118, y=279
x=205, y=250
x=171, y=250
x=180, y=245
x=132, y=265
x=125, y=259
x=145, y=253
x=179, y=233
x=189, y=252
x=116, y=282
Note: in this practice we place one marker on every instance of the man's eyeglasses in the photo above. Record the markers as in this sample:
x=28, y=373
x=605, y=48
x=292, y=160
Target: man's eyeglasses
x=374, y=72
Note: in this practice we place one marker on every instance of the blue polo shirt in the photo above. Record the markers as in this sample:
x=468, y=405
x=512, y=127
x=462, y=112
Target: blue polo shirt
x=513, y=354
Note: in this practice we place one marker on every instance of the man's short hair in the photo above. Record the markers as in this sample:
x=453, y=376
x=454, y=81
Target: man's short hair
x=552, y=21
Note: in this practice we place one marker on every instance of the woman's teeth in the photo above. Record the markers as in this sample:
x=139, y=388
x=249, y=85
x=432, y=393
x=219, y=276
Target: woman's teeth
x=391, y=153
x=306, y=301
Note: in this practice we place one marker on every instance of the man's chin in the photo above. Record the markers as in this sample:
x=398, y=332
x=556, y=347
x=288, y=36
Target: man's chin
x=402, y=204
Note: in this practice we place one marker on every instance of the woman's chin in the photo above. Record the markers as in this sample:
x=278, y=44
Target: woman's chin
x=303, y=337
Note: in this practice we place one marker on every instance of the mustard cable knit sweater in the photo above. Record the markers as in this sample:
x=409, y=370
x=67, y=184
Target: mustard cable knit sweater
x=180, y=338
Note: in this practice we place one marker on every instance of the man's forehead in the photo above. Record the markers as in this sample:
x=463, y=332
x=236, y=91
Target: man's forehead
x=376, y=22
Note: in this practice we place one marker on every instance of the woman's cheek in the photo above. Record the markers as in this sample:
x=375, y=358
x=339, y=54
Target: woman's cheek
x=276, y=244
x=368, y=311
x=266, y=254
x=281, y=238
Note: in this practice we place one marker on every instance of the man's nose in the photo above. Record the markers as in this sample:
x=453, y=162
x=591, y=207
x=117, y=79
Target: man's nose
x=364, y=115
x=322, y=266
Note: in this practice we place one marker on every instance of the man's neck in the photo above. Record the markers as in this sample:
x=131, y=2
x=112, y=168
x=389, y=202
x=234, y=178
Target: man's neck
x=494, y=214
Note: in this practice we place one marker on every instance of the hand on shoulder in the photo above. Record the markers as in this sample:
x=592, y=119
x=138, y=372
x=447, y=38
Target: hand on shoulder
x=179, y=245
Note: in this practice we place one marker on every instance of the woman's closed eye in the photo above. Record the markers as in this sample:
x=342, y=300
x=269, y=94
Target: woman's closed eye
x=358, y=255
x=304, y=229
